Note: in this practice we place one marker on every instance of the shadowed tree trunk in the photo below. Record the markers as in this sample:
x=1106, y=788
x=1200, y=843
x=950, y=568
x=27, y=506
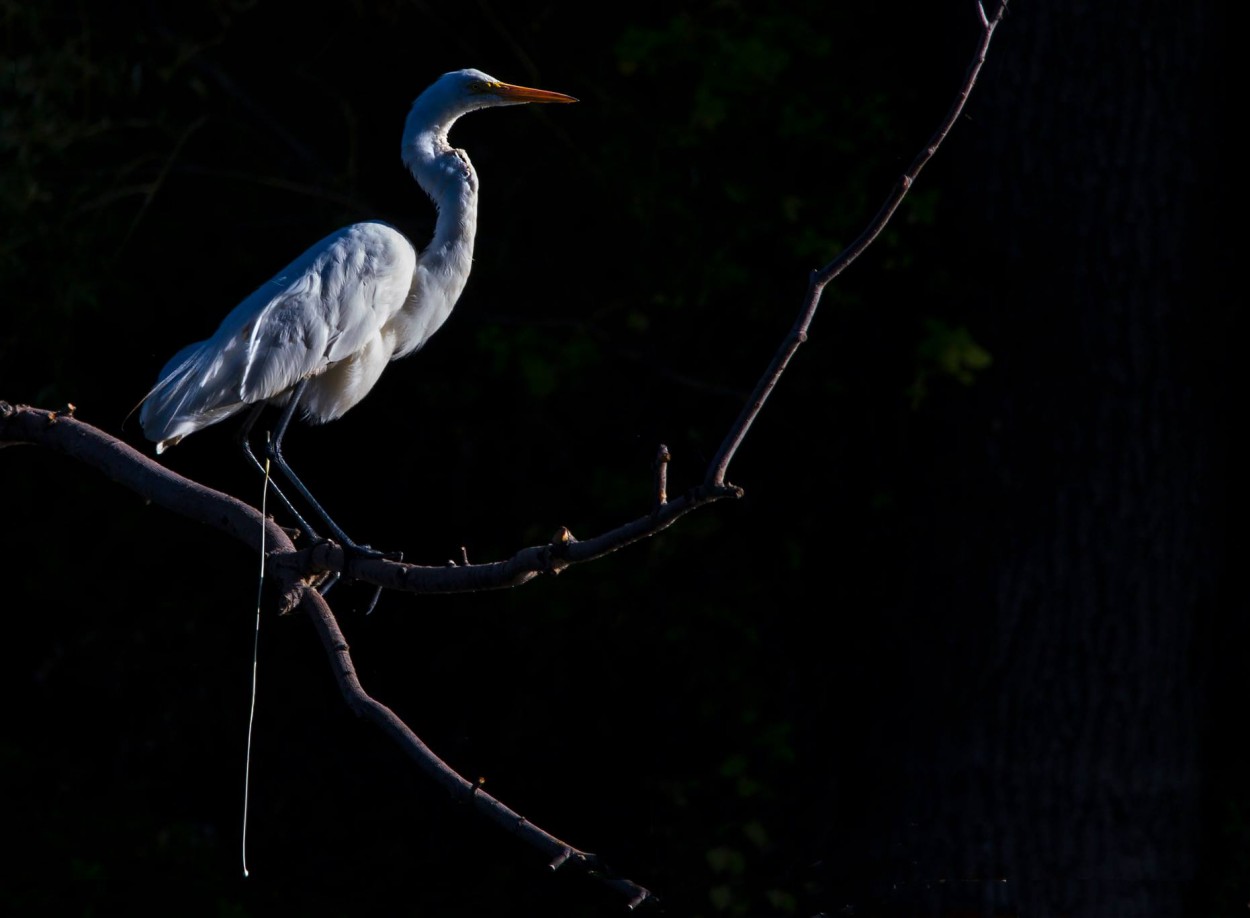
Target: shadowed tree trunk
x=1074, y=508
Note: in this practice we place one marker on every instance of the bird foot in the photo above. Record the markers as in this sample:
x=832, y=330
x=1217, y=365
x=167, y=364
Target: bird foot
x=354, y=551
x=368, y=551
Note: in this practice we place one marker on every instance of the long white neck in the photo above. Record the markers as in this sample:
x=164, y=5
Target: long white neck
x=443, y=267
x=446, y=175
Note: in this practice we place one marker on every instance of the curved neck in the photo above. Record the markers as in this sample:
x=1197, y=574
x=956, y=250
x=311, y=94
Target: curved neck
x=446, y=175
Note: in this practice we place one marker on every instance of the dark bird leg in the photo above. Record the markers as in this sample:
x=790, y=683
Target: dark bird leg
x=244, y=434
x=243, y=437
x=274, y=450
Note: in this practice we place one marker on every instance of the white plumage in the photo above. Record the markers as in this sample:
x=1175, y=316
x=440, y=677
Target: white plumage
x=353, y=302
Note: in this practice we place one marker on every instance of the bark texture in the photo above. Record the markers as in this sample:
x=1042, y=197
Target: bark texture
x=1076, y=531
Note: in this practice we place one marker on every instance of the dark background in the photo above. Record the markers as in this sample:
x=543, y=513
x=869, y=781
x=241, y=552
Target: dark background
x=972, y=643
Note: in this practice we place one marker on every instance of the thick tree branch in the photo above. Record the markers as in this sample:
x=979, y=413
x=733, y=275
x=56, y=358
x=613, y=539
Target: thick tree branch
x=66, y=434
x=62, y=432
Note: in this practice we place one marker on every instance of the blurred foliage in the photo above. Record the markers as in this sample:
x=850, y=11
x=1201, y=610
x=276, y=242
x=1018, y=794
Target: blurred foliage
x=950, y=353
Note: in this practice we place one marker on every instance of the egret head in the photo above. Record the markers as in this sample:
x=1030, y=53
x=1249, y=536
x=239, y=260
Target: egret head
x=426, y=149
x=461, y=91
x=490, y=92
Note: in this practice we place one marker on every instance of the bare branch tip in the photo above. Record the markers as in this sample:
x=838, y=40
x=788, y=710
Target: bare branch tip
x=642, y=897
x=662, y=458
x=560, y=858
x=716, y=488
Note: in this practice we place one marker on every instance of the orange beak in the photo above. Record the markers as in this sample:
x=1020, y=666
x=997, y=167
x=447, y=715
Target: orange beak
x=524, y=93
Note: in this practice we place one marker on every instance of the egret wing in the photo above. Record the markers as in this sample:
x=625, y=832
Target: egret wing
x=321, y=309
x=330, y=302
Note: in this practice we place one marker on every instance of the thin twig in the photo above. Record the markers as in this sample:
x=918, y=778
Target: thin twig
x=662, y=459
x=719, y=466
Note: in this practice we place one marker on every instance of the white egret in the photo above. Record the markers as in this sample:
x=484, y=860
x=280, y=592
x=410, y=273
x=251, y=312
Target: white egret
x=317, y=336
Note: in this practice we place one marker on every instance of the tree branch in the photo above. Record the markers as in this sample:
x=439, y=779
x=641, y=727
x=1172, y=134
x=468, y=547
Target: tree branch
x=364, y=705
x=295, y=570
x=63, y=433
x=819, y=278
